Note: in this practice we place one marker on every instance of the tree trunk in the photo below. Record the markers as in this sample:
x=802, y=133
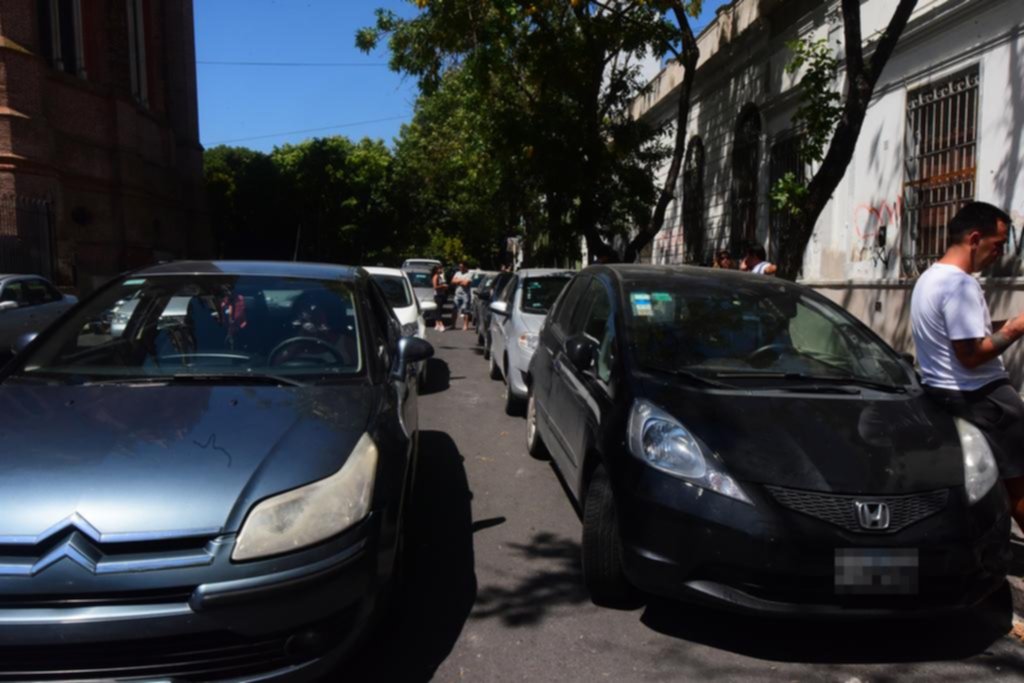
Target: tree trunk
x=689, y=56
x=860, y=85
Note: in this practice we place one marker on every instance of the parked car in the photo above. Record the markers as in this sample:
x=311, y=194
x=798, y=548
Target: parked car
x=216, y=495
x=398, y=292
x=481, y=308
x=419, y=263
x=28, y=303
x=517, y=314
x=744, y=441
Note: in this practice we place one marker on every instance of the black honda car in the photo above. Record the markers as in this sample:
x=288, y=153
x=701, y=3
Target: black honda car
x=214, y=489
x=742, y=440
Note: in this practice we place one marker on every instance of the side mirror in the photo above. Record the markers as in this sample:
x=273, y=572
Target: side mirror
x=582, y=351
x=484, y=294
x=499, y=307
x=8, y=305
x=411, y=350
x=23, y=341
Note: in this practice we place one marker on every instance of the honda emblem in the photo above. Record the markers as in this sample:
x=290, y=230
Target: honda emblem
x=872, y=515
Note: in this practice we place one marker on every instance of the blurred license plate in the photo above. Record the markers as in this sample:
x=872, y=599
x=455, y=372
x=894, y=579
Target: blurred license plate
x=876, y=571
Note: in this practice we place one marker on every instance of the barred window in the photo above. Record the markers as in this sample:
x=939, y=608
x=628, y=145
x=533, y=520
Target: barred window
x=941, y=160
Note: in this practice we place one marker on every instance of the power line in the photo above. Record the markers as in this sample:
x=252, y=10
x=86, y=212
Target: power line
x=289, y=64
x=309, y=130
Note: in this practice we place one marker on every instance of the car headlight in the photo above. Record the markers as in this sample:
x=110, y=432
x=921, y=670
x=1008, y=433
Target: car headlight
x=980, y=469
x=410, y=329
x=311, y=513
x=665, y=444
x=528, y=342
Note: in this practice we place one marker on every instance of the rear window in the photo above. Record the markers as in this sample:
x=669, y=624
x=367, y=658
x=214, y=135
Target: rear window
x=420, y=279
x=395, y=290
x=539, y=293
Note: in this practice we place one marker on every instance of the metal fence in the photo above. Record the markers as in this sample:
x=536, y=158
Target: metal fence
x=26, y=235
x=941, y=160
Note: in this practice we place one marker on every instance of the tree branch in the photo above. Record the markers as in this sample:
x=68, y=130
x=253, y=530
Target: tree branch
x=891, y=35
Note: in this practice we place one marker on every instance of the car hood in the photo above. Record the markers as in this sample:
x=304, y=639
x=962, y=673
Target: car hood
x=873, y=443
x=161, y=461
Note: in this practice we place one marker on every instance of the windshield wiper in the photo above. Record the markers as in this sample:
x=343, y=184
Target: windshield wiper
x=693, y=377
x=836, y=379
x=203, y=378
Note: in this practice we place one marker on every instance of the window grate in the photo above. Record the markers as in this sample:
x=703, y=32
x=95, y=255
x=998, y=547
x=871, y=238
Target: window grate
x=941, y=162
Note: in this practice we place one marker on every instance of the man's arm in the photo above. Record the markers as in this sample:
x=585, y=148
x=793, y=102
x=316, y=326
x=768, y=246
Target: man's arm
x=974, y=352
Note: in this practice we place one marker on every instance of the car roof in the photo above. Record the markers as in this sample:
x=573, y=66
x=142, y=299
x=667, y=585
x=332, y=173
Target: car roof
x=317, y=271
x=543, y=272
x=640, y=273
x=381, y=270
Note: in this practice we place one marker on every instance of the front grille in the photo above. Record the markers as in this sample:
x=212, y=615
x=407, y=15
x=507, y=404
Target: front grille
x=841, y=510
x=195, y=658
x=142, y=597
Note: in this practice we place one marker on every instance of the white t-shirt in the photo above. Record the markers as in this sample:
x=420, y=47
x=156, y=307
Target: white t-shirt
x=948, y=305
x=760, y=268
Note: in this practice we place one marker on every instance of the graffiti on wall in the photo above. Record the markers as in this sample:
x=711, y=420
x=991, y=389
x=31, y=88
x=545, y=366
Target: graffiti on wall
x=873, y=224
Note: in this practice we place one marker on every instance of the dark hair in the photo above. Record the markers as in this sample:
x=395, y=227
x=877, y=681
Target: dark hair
x=972, y=216
x=758, y=251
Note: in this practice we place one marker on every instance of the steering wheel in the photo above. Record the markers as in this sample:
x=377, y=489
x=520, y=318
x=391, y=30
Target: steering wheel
x=272, y=357
x=762, y=352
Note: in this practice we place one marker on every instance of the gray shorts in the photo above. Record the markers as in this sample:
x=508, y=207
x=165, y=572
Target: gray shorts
x=998, y=411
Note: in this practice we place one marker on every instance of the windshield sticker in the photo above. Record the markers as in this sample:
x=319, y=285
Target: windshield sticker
x=641, y=304
x=132, y=283
x=661, y=296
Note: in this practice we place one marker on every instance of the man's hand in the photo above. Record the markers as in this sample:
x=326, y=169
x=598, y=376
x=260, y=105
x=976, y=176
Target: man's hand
x=974, y=352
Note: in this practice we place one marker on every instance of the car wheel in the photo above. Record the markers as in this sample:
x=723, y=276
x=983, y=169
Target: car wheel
x=495, y=370
x=602, y=546
x=487, y=347
x=534, y=444
x=513, y=404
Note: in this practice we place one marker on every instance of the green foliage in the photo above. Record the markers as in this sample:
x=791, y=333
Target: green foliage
x=816, y=116
x=540, y=137
x=325, y=199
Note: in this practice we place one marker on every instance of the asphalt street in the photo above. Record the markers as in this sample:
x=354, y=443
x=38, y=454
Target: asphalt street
x=495, y=593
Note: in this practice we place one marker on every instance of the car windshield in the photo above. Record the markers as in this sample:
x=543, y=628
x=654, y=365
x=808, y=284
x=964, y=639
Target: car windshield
x=539, y=293
x=751, y=333
x=395, y=290
x=209, y=325
x=420, y=278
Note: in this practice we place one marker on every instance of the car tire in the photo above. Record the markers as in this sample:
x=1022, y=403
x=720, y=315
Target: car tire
x=487, y=347
x=513, y=404
x=534, y=443
x=603, y=574
x=495, y=370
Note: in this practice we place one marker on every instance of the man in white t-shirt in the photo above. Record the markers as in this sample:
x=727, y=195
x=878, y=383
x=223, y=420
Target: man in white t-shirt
x=755, y=261
x=958, y=346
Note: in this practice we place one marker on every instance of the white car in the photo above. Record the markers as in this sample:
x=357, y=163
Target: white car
x=409, y=311
x=517, y=313
x=427, y=263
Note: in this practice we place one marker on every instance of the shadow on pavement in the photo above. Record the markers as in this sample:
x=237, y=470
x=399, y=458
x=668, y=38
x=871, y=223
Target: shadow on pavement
x=441, y=582
x=876, y=641
x=438, y=378
x=557, y=581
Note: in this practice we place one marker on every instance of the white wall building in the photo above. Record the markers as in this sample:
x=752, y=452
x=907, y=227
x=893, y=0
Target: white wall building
x=946, y=125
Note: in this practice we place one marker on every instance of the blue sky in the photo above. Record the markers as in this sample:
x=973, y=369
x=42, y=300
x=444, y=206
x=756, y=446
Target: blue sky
x=265, y=106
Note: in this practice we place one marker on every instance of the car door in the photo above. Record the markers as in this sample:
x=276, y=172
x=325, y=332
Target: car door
x=45, y=304
x=542, y=375
x=501, y=324
x=13, y=321
x=583, y=395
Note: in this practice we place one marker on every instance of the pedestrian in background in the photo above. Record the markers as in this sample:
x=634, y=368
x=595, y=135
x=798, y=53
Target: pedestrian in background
x=959, y=347
x=440, y=295
x=723, y=259
x=461, y=281
x=756, y=261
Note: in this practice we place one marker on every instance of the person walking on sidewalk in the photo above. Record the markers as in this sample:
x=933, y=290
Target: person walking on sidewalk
x=959, y=347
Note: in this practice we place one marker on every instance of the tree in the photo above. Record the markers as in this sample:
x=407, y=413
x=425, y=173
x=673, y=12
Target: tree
x=821, y=114
x=555, y=81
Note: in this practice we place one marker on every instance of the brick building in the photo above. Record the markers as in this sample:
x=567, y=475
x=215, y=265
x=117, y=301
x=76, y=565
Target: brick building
x=100, y=161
